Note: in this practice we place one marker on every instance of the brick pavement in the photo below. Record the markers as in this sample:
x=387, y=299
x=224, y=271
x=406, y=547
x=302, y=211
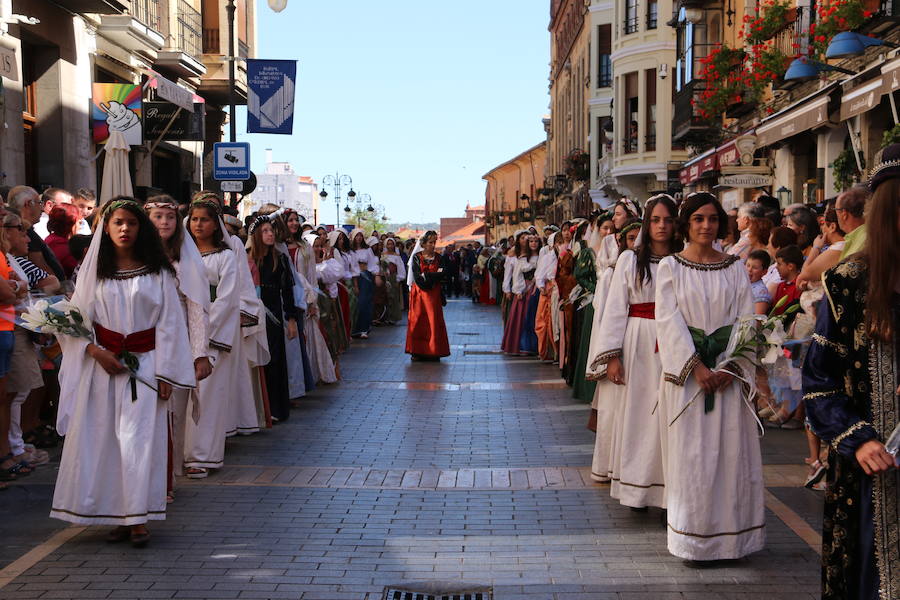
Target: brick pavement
x=469, y=470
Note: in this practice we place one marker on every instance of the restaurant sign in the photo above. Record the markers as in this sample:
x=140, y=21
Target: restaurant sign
x=745, y=180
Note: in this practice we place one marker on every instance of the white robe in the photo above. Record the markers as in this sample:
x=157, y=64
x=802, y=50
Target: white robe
x=602, y=401
x=714, y=482
x=204, y=441
x=635, y=448
x=316, y=348
x=246, y=405
x=113, y=468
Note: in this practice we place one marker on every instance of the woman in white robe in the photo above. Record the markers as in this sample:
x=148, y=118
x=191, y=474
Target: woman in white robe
x=193, y=289
x=714, y=482
x=205, y=436
x=113, y=467
x=629, y=356
x=605, y=402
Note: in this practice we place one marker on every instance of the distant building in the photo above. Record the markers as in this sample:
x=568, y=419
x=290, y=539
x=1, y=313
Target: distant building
x=462, y=230
x=281, y=186
x=506, y=210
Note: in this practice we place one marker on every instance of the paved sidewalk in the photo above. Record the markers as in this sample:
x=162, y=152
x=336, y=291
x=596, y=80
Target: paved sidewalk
x=471, y=470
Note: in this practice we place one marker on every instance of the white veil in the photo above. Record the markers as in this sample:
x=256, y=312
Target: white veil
x=410, y=279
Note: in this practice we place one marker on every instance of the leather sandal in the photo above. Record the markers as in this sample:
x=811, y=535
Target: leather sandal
x=139, y=540
x=119, y=534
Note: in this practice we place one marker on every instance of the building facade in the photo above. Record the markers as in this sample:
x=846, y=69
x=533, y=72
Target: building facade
x=800, y=138
x=513, y=196
x=61, y=48
x=281, y=186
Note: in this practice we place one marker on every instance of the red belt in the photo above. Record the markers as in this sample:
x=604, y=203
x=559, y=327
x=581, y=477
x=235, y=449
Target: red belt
x=115, y=342
x=647, y=310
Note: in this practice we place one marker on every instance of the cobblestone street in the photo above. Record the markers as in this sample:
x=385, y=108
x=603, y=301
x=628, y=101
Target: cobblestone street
x=470, y=470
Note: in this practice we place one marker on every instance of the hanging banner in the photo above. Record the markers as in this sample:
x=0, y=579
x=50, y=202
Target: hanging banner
x=116, y=106
x=270, y=96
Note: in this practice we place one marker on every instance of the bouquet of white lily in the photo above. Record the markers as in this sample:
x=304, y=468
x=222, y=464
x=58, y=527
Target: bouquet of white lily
x=56, y=316
x=63, y=318
x=754, y=340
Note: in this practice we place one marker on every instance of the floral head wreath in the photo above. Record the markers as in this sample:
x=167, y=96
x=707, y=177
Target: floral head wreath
x=117, y=204
x=260, y=220
x=204, y=195
x=151, y=205
x=630, y=227
x=207, y=202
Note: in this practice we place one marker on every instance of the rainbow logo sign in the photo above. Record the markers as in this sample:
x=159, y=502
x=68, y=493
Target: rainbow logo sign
x=117, y=106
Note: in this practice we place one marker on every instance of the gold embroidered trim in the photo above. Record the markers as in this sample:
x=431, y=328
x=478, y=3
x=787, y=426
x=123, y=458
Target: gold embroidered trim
x=825, y=342
x=685, y=371
x=604, y=357
x=216, y=251
x=128, y=274
x=814, y=395
x=712, y=535
x=716, y=266
x=850, y=431
x=219, y=346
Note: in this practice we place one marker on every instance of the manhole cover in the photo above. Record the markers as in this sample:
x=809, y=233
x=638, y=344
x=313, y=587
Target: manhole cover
x=436, y=590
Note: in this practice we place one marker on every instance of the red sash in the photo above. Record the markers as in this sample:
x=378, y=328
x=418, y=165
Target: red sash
x=115, y=342
x=647, y=310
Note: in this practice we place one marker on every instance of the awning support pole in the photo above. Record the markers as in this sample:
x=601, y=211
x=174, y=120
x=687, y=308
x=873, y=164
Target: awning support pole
x=893, y=108
x=855, y=144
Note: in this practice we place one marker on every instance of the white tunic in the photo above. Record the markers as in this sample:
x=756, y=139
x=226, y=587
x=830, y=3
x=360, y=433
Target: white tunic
x=635, y=448
x=113, y=468
x=396, y=260
x=714, y=482
x=204, y=441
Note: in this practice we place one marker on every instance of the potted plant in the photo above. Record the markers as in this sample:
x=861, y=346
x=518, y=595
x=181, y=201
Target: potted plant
x=891, y=136
x=771, y=17
x=577, y=165
x=720, y=70
x=845, y=170
x=835, y=16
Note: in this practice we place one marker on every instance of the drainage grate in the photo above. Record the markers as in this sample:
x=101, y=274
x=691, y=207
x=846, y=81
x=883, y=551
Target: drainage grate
x=437, y=591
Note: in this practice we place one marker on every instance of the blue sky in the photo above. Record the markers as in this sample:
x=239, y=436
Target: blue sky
x=414, y=100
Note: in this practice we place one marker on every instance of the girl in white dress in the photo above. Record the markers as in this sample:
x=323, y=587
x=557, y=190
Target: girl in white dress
x=113, y=467
x=193, y=289
x=714, y=483
x=205, y=436
x=629, y=357
x=605, y=402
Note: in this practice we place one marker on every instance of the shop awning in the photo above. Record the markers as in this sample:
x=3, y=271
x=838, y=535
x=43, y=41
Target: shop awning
x=698, y=166
x=862, y=98
x=728, y=155
x=890, y=76
x=796, y=119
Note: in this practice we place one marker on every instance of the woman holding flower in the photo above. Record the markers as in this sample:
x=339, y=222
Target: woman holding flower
x=714, y=483
x=113, y=468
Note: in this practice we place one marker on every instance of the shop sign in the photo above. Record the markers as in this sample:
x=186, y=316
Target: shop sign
x=795, y=121
x=186, y=126
x=174, y=93
x=745, y=180
x=693, y=172
x=8, y=63
x=861, y=99
x=116, y=107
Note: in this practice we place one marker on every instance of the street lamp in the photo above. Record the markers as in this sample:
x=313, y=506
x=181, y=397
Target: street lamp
x=335, y=182
x=849, y=43
x=804, y=69
x=784, y=196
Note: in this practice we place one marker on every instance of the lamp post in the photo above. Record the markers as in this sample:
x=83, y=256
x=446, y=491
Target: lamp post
x=335, y=182
x=784, y=196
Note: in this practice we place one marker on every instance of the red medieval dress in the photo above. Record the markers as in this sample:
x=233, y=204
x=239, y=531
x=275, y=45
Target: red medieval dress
x=426, y=334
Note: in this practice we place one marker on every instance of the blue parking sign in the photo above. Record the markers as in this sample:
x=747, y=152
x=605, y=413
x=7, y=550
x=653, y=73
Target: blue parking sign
x=231, y=161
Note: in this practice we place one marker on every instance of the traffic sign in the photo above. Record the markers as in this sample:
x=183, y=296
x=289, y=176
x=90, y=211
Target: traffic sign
x=232, y=186
x=231, y=161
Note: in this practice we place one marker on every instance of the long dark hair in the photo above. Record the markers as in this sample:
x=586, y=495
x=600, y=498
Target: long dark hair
x=345, y=246
x=148, y=247
x=644, y=252
x=173, y=244
x=883, y=255
x=517, y=245
x=622, y=234
x=213, y=213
